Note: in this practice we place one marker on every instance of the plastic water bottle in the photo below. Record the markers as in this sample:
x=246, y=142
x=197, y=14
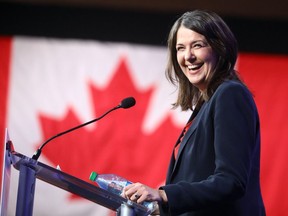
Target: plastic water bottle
x=115, y=184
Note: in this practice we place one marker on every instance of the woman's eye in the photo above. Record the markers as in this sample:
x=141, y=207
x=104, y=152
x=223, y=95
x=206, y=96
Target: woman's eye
x=198, y=45
x=179, y=48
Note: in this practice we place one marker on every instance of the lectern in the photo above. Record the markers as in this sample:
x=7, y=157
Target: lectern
x=30, y=170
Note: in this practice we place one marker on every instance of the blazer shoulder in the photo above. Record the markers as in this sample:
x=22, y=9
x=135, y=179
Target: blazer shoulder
x=232, y=87
x=231, y=84
x=232, y=91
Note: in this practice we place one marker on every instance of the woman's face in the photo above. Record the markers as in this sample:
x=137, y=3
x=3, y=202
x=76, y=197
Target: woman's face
x=195, y=57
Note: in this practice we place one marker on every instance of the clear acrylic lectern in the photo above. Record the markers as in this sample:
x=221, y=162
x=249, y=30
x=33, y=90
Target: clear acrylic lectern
x=30, y=170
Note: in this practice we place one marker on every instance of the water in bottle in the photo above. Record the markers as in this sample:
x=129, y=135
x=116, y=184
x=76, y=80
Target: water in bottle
x=115, y=184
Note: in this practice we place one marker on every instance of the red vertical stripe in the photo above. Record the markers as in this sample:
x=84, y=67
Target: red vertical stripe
x=5, y=51
x=267, y=77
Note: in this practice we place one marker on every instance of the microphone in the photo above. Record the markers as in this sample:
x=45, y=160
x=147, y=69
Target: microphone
x=125, y=104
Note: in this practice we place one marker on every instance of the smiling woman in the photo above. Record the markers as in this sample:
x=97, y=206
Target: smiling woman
x=215, y=170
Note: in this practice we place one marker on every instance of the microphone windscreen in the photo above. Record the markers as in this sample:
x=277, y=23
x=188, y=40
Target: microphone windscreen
x=127, y=102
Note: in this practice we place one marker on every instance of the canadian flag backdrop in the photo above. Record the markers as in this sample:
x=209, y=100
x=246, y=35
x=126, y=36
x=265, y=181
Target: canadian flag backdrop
x=54, y=85
x=51, y=85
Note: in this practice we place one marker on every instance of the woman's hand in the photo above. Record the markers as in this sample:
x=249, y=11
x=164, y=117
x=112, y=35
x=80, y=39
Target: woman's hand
x=139, y=193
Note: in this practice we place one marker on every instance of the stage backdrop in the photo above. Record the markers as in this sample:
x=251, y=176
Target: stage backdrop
x=50, y=85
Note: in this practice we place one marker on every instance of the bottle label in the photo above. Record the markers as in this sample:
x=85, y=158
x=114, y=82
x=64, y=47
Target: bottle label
x=117, y=187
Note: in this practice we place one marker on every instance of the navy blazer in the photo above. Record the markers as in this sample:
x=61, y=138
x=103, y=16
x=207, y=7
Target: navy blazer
x=217, y=168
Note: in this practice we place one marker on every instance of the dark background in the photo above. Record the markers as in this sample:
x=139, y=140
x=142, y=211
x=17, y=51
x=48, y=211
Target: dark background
x=260, y=27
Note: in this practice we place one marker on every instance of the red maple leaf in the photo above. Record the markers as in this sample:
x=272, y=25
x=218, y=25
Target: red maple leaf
x=115, y=144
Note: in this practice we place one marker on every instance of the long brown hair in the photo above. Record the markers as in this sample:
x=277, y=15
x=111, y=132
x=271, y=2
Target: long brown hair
x=223, y=43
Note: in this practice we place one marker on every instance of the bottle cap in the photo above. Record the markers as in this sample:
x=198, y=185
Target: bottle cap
x=93, y=176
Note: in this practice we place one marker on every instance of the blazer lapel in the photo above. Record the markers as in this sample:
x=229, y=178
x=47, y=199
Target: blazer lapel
x=189, y=132
x=195, y=117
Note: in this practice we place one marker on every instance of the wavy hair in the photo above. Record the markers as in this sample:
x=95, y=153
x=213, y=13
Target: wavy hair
x=224, y=45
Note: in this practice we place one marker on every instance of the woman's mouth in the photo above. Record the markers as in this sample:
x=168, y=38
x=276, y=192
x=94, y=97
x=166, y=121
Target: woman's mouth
x=194, y=67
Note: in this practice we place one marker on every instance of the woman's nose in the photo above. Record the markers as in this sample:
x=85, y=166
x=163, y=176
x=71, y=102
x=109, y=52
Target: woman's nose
x=189, y=55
